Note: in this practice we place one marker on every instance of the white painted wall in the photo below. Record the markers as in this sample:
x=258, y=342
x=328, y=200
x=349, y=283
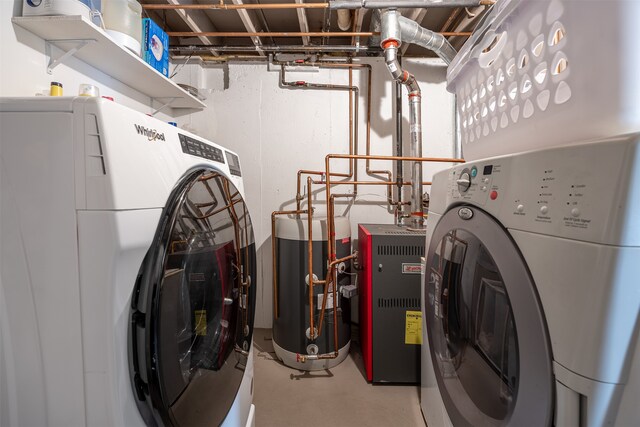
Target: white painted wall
x=279, y=131
x=23, y=66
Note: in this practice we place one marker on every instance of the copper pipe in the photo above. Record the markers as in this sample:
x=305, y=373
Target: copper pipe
x=209, y=176
x=403, y=158
x=268, y=34
x=329, y=277
x=335, y=302
x=352, y=130
x=353, y=148
x=276, y=309
x=387, y=183
x=330, y=243
x=331, y=265
x=290, y=34
x=368, y=131
x=236, y=6
x=236, y=231
x=309, y=172
x=205, y=216
x=312, y=334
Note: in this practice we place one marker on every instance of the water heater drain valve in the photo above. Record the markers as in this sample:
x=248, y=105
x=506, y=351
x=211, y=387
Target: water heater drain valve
x=312, y=349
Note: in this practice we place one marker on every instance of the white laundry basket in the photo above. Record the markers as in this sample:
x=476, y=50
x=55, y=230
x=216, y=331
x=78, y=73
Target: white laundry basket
x=542, y=73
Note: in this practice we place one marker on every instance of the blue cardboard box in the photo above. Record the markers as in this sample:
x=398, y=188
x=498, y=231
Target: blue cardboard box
x=155, y=46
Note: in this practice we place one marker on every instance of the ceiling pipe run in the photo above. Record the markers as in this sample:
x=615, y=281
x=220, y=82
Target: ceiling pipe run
x=276, y=49
x=269, y=34
x=383, y=4
x=286, y=34
x=224, y=6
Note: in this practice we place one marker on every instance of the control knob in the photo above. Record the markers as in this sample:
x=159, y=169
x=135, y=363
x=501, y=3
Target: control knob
x=464, y=182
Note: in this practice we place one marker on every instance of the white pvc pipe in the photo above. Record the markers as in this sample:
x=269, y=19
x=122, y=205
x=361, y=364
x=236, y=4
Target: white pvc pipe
x=344, y=19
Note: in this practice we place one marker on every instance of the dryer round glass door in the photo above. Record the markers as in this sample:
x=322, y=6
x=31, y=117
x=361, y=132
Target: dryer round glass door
x=486, y=331
x=193, y=305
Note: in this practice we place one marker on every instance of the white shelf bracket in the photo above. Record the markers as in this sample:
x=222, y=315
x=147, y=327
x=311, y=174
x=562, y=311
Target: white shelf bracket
x=54, y=62
x=165, y=105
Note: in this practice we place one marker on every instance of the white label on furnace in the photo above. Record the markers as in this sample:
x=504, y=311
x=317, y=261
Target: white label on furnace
x=411, y=268
x=392, y=67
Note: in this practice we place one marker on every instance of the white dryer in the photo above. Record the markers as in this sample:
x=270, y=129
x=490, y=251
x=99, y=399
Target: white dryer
x=127, y=275
x=531, y=297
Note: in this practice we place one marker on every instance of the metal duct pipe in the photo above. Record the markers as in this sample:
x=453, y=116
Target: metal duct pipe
x=344, y=19
x=391, y=41
x=414, y=33
x=383, y=4
x=399, y=165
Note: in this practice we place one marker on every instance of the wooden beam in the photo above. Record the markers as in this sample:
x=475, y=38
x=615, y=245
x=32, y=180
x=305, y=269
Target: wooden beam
x=357, y=25
x=249, y=25
x=198, y=22
x=304, y=24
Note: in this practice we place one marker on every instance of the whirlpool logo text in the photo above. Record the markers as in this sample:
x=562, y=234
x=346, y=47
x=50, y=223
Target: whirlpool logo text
x=151, y=134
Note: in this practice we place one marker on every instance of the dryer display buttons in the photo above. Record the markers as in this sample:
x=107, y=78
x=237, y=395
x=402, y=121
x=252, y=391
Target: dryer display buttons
x=198, y=148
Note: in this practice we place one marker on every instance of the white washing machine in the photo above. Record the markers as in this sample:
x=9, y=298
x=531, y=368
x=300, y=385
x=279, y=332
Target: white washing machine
x=127, y=260
x=531, y=296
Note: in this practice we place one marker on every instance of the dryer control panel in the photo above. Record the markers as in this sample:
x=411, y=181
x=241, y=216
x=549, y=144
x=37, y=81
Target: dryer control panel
x=198, y=148
x=588, y=192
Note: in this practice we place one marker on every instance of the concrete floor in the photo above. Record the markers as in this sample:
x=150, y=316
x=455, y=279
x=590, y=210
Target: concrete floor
x=340, y=397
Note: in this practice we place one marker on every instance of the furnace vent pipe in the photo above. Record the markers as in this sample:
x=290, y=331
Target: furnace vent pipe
x=394, y=29
x=391, y=36
x=414, y=33
x=383, y=4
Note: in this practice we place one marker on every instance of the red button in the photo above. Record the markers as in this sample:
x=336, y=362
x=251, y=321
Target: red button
x=493, y=195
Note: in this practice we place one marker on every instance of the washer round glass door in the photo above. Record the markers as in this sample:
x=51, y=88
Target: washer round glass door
x=487, y=333
x=193, y=305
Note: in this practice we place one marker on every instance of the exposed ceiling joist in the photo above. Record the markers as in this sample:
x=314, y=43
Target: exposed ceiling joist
x=214, y=26
x=249, y=25
x=357, y=25
x=304, y=24
x=452, y=17
x=198, y=22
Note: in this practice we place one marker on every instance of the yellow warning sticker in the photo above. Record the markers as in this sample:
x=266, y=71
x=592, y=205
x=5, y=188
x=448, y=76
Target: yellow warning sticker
x=201, y=322
x=413, y=328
